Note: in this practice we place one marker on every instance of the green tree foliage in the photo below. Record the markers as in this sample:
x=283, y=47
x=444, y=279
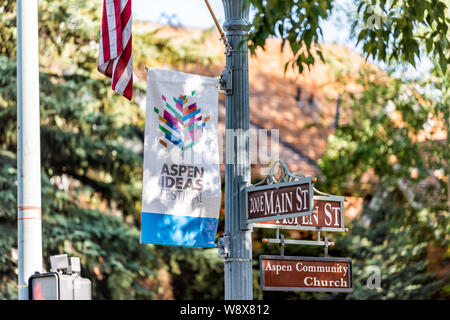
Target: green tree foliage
x=296, y=22
x=396, y=30
x=91, y=155
x=388, y=30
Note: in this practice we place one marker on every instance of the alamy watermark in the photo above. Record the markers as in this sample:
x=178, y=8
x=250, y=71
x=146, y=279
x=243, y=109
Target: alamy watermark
x=374, y=20
x=374, y=280
x=236, y=146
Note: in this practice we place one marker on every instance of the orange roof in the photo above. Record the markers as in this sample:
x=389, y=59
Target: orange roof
x=301, y=106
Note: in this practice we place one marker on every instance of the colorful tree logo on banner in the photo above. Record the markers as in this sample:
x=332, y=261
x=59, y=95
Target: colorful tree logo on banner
x=182, y=125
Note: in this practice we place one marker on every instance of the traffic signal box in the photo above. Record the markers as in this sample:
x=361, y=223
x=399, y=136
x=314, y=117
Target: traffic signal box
x=63, y=283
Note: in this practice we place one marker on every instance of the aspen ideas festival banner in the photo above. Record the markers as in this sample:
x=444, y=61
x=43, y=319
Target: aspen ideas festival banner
x=181, y=179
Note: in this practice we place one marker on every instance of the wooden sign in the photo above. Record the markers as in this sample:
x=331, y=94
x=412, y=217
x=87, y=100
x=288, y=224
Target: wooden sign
x=329, y=217
x=287, y=273
x=279, y=200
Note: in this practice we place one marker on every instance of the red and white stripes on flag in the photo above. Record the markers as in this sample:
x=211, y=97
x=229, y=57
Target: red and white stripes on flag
x=115, y=58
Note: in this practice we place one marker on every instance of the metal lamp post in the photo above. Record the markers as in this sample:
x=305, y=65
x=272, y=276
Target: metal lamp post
x=238, y=263
x=28, y=146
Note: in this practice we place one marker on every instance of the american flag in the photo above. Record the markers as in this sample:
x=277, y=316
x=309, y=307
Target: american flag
x=115, y=58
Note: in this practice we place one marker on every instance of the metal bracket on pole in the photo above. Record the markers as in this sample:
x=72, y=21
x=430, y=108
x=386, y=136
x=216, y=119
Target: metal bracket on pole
x=223, y=245
x=226, y=83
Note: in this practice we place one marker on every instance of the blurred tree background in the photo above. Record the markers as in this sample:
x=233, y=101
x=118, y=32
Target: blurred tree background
x=391, y=148
x=386, y=149
x=91, y=150
x=392, y=143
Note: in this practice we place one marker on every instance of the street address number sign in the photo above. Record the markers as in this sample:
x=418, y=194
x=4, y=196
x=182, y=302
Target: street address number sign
x=279, y=200
x=287, y=273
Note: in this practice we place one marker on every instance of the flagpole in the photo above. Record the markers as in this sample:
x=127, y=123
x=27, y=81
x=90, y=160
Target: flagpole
x=238, y=265
x=29, y=223
x=222, y=34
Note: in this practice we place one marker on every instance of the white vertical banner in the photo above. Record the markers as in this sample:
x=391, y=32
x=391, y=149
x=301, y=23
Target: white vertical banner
x=181, y=180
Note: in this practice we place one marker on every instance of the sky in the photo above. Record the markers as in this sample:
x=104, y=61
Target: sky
x=191, y=13
x=194, y=13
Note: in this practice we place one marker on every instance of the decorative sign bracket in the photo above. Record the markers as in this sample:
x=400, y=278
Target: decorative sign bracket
x=285, y=176
x=282, y=273
x=282, y=241
x=223, y=245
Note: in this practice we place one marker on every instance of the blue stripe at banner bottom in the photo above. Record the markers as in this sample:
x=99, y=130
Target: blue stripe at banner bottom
x=167, y=229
